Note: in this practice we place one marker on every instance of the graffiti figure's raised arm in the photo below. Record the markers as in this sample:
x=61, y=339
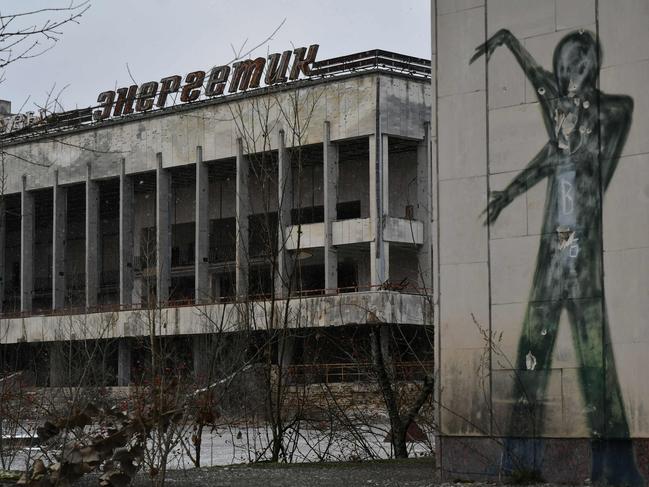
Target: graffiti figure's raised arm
x=615, y=114
x=537, y=169
x=539, y=77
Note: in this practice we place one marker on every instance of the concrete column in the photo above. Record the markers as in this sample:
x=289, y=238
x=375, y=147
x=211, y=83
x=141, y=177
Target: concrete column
x=424, y=209
x=163, y=233
x=59, y=232
x=26, y=248
x=284, y=268
x=123, y=362
x=385, y=337
x=126, y=244
x=92, y=239
x=242, y=212
x=330, y=173
x=3, y=246
x=201, y=358
x=379, y=204
x=58, y=365
x=285, y=351
x=202, y=253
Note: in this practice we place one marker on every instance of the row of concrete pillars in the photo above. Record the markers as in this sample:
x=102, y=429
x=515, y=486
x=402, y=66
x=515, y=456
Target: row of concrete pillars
x=128, y=294
x=62, y=366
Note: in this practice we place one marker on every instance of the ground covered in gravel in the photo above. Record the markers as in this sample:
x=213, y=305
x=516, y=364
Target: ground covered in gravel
x=381, y=473
x=404, y=473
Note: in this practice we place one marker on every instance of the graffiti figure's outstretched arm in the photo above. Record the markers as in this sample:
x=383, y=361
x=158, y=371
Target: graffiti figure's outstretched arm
x=538, y=168
x=616, y=113
x=542, y=80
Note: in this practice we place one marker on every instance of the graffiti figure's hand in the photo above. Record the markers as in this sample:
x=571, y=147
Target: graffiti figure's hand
x=499, y=200
x=496, y=40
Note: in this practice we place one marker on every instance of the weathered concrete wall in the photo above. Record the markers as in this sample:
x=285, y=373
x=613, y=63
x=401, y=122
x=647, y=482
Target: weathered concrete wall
x=542, y=309
x=351, y=308
x=348, y=104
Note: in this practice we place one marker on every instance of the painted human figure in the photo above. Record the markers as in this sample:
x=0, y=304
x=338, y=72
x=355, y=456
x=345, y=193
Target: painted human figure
x=587, y=130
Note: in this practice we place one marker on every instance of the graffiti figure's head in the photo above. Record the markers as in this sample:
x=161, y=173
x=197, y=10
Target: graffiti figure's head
x=576, y=62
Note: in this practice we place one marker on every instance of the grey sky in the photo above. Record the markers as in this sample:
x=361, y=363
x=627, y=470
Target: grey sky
x=158, y=38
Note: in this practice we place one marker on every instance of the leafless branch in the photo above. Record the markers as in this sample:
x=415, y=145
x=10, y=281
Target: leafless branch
x=25, y=35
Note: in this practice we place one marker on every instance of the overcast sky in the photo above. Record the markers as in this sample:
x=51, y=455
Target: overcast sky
x=158, y=38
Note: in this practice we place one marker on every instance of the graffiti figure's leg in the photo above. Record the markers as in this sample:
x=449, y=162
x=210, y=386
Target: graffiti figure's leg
x=523, y=450
x=533, y=363
x=612, y=455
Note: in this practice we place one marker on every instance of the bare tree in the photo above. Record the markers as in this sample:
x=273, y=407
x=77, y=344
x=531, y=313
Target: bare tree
x=25, y=35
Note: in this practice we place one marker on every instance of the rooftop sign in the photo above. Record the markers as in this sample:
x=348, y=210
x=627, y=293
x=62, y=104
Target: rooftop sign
x=276, y=69
x=241, y=76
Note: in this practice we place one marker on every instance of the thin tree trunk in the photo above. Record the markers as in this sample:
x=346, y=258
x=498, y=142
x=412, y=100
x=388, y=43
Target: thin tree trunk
x=398, y=433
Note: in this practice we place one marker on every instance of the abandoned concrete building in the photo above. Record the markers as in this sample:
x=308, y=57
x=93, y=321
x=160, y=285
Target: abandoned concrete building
x=312, y=193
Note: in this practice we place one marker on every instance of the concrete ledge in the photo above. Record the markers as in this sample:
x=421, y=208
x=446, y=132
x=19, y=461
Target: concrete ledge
x=350, y=308
x=355, y=230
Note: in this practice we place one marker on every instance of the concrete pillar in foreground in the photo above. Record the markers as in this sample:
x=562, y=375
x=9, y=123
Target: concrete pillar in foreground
x=59, y=232
x=284, y=268
x=163, y=233
x=3, y=244
x=425, y=210
x=92, y=240
x=330, y=172
x=202, y=253
x=58, y=364
x=201, y=358
x=379, y=249
x=26, y=248
x=126, y=222
x=242, y=213
x=285, y=351
x=123, y=362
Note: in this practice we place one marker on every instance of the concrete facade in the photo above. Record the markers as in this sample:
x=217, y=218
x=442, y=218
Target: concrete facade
x=183, y=213
x=542, y=256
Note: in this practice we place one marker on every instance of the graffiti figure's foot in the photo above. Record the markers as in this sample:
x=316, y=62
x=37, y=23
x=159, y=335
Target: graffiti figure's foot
x=614, y=464
x=522, y=455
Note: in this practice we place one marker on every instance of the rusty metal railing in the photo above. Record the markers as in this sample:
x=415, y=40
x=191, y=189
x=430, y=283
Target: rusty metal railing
x=374, y=59
x=403, y=287
x=332, y=373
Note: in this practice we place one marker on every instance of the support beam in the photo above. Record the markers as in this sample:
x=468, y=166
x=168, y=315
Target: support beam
x=379, y=205
x=202, y=253
x=284, y=265
x=201, y=358
x=3, y=246
x=123, y=362
x=242, y=213
x=59, y=232
x=285, y=351
x=92, y=239
x=424, y=210
x=126, y=222
x=330, y=172
x=163, y=233
x=26, y=248
x=58, y=364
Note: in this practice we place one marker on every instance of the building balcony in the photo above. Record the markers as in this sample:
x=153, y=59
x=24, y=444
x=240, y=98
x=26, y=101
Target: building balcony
x=353, y=231
x=184, y=318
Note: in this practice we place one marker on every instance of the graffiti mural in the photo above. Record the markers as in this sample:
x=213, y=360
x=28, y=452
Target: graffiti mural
x=587, y=130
